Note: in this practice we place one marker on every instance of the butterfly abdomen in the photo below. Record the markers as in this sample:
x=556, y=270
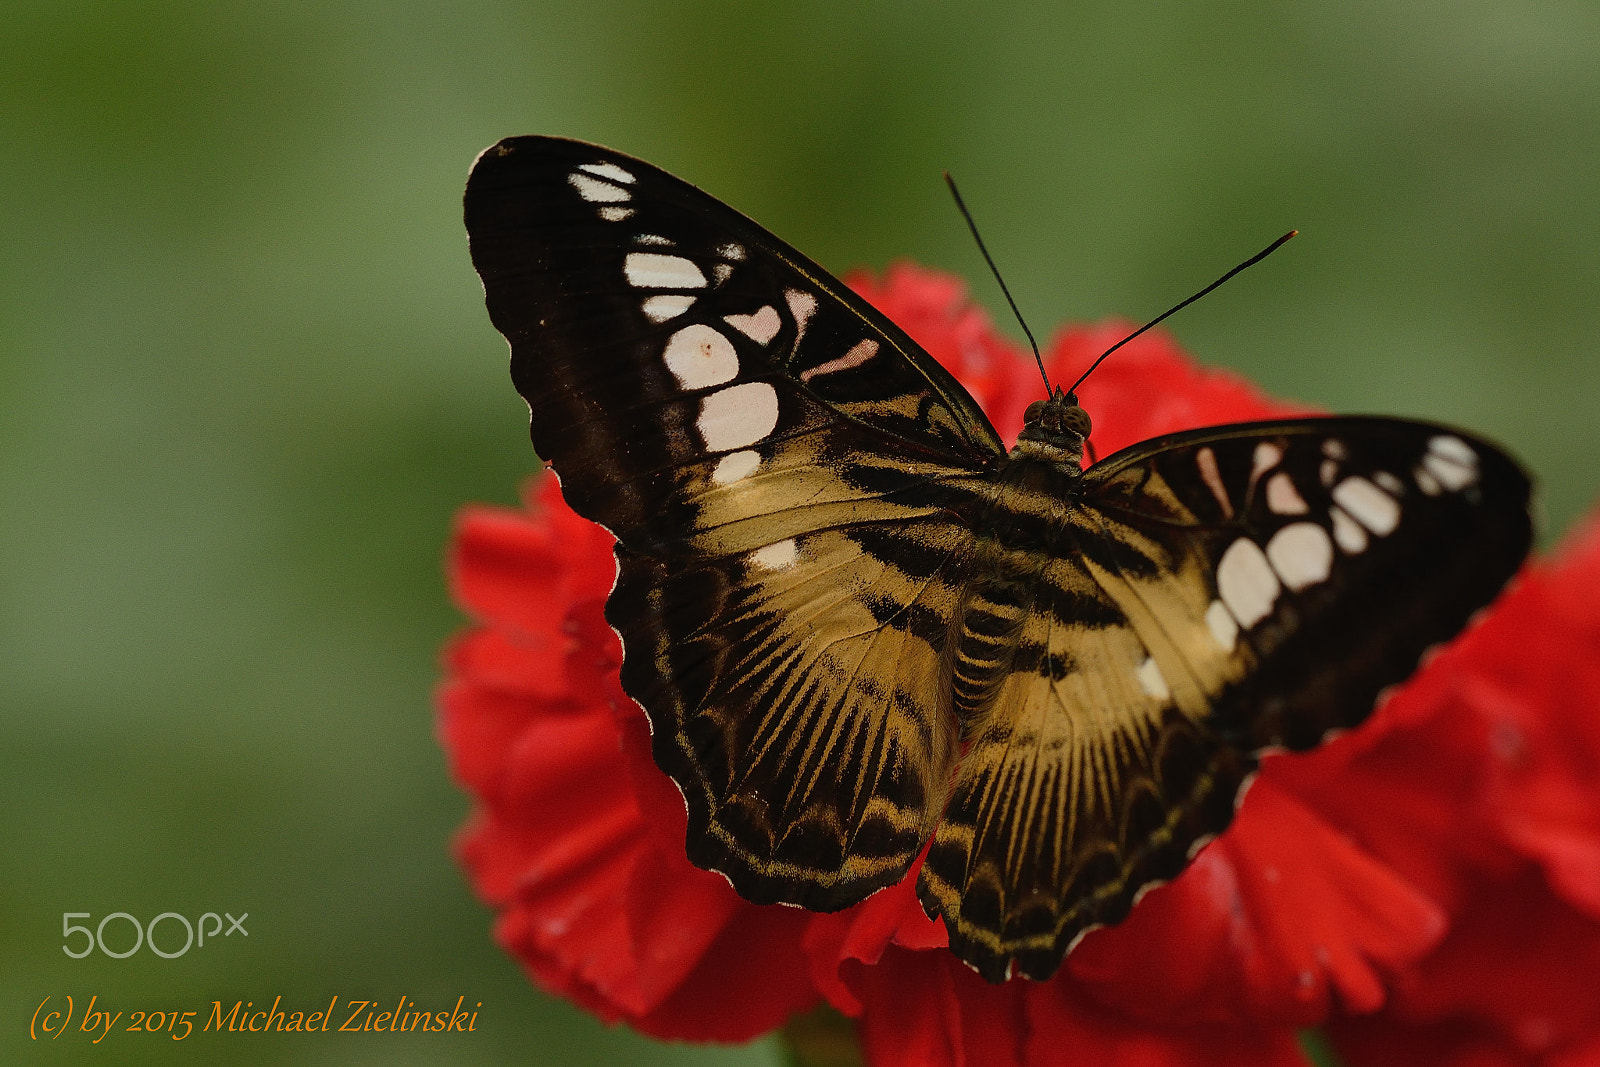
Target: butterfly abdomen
x=1016, y=535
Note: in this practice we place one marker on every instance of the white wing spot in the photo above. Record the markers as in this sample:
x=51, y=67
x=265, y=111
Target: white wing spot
x=761, y=326
x=802, y=305
x=721, y=272
x=700, y=357
x=1246, y=582
x=1390, y=484
x=1301, y=554
x=1453, y=448
x=858, y=354
x=598, y=192
x=776, y=556
x=607, y=170
x=615, y=214
x=1348, y=532
x=652, y=270
x=1219, y=620
x=734, y=466
x=1334, y=448
x=1283, y=498
x=1368, y=505
x=666, y=306
x=1450, y=474
x=1206, y=460
x=1329, y=472
x=1452, y=461
x=731, y=251
x=653, y=239
x=1152, y=681
x=1426, y=482
x=738, y=416
x=1267, y=455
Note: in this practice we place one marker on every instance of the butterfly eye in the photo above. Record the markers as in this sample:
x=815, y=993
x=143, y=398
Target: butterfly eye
x=1076, y=420
x=1032, y=414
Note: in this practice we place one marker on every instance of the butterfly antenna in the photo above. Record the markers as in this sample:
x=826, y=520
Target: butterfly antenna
x=1252, y=261
x=973, y=226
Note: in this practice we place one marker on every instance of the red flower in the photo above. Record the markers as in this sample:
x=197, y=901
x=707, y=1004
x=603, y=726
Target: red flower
x=1515, y=705
x=1326, y=900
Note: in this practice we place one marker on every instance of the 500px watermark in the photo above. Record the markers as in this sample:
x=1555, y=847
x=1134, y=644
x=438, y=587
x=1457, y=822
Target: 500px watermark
x=144, y=935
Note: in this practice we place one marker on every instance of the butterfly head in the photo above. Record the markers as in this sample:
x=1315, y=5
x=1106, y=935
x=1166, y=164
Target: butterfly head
x=1054, y=430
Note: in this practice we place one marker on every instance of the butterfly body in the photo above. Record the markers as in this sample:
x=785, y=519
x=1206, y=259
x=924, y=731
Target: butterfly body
x=860, y=626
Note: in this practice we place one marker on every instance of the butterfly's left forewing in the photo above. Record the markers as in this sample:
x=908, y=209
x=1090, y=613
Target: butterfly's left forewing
x=787, y=476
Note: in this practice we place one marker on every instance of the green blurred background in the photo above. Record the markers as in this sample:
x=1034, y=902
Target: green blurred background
x=246, y=378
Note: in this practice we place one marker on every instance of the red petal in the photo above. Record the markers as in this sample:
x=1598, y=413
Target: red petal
x=925, y=1009
x=1063, y=1028
x=932, y=307
x=1518, y=958
x=1513, y=984
x=748, y=981
x=1380, y=1041
x=507, y=663
x=476, y=726
x=863, y=933
x=540, y=730
x=1277, y=918
x=504, y=568
x=1538, y=684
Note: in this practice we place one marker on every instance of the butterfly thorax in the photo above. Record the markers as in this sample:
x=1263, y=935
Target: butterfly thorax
x=1053, y=431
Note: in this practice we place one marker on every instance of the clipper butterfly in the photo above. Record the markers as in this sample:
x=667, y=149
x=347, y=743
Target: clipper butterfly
x=857, y=622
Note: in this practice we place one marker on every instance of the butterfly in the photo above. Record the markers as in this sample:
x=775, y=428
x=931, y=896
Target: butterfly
x=860, y=626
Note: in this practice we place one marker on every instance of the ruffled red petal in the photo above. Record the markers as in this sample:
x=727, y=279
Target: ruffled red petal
x=946, y=1016
x=1513, y=983
x=599, y=902
x=1538, y=688
x=925, y=1009
x=1280, y=920
x=1503, y=728
x=1065, y=1029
